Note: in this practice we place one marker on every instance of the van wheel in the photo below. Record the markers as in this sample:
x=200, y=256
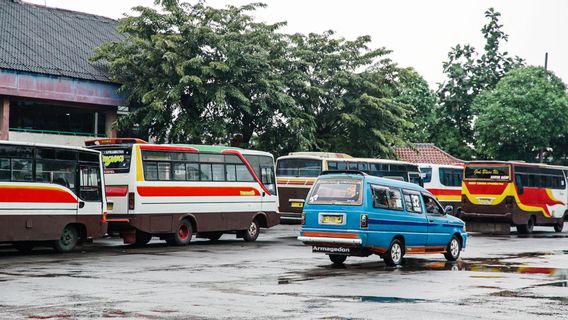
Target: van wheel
x=337, y=259
x=393, y=256
x=453, y=249
x=68, y=240
x=182, y=236
x=142, y=238
x=252, y=232
x=559, y=226
x=526, y=228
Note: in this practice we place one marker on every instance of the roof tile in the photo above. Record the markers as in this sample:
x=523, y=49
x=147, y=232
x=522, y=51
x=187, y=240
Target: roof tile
x=425, y=153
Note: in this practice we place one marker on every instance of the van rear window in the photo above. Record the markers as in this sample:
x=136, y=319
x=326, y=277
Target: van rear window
x=346, y=191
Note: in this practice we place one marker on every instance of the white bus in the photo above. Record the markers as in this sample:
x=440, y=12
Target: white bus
x=296, y=173
x=176, y=191
x=445, y=183
x=50, y=195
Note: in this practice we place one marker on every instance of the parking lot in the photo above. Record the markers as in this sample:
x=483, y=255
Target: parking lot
x=498, y=277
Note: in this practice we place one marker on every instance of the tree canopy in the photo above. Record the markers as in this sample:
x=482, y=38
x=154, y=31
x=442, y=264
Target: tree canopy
x=198, y=74
x=525, y=114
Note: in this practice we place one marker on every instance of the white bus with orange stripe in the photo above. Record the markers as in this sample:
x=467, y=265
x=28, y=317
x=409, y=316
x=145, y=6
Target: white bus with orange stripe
x=297, y=172
x=50, y=195
x=445, y=183
x=176, y=191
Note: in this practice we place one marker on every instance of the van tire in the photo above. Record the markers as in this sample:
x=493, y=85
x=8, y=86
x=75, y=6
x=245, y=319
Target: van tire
x=337, y=259
x=559, y=226
x=453, y=249
x=393, y=256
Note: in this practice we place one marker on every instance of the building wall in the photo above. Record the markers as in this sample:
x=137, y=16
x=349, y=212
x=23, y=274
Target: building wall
x=66, y=140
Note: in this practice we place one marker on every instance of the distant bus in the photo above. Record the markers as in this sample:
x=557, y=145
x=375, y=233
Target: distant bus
x=176, y=191
x=522, y=194
x=50, y=195
x=445, y=183
x=297, y=172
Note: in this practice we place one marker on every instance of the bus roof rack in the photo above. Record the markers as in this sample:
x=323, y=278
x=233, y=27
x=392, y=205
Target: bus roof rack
x=343, y=172
x=98, y=142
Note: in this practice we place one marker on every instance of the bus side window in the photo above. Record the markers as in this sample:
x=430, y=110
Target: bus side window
x=4, y=169
x=22, y=170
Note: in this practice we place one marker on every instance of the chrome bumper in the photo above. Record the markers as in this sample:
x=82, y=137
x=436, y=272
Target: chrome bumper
x=329, y=240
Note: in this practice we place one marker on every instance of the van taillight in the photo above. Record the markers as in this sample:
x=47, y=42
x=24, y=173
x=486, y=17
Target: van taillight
x=131, y=201
x=303, y=221
x=364, y=221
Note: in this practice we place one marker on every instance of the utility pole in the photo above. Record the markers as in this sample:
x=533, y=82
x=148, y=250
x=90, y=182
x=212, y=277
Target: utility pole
x=545, y=61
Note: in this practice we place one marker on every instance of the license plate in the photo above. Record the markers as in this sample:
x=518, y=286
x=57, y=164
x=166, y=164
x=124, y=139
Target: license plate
x=297, y=205
x=332, y=219
x=333, y=250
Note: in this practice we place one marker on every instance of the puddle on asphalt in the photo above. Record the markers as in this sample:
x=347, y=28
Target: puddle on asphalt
x=480, y=265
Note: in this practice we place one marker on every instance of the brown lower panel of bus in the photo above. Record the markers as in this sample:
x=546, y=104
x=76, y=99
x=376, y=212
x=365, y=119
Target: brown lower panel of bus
x=48, y=227
x=161, y=223
x=506, y=212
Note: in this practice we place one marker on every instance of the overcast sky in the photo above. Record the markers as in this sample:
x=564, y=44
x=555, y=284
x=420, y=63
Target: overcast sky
x=420, y=33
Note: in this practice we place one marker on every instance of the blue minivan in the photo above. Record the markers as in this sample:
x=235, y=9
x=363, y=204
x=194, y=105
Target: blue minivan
x=350, y=213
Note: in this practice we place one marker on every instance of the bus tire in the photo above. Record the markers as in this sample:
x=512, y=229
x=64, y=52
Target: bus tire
x=559, y=226
x=68, y=240
x=142, y=238
x=337, y=258
x=23, y=247
x=393, y=256
x=252, y=232
x=526, y=228
x=183, y=234
x=453, y=249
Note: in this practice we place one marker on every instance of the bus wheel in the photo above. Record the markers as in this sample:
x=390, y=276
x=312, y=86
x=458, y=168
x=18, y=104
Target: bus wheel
x=393, y=256
x=182, y=236
x=337, y=259
x=252, y=232
x=68, y=240
x=214, y=236
x=23, y=247
x=142, y=238
x=526, y=228
x=559, y=226
x=453, y=250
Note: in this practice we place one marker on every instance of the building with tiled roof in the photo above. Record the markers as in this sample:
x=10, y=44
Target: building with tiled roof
x=49, y=89
x=425, y=153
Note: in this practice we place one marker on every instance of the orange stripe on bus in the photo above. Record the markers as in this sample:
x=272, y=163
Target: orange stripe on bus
x=331, y=235
x=35, y=194
x=195, y=191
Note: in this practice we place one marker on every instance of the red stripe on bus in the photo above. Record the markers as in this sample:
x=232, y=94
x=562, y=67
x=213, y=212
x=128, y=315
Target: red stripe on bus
x=116, y=191
x=486, y=188
x=167, y=148
x=201, y=191
x=35, y=195
x=445, y=192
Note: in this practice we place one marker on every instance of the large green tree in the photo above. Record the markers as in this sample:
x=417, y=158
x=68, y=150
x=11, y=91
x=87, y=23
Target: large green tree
x=526, y=113
x=195, y=73
x=469, y=73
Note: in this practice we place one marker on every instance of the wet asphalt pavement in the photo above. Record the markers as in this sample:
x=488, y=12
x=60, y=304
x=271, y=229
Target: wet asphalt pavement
x=501, y=277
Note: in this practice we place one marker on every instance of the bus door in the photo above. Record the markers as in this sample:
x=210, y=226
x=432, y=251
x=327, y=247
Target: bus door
x=90, y=190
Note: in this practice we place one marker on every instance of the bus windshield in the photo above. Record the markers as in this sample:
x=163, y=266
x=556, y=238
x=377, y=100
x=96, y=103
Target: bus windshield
x=116, y=160
x=298, y=167
x=337, y=191
x=487, y=172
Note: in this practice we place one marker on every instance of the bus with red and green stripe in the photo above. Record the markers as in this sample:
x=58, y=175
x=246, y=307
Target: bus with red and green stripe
x=176, y=191
x=445, y=183
x=517, y=193
x=50, y=195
